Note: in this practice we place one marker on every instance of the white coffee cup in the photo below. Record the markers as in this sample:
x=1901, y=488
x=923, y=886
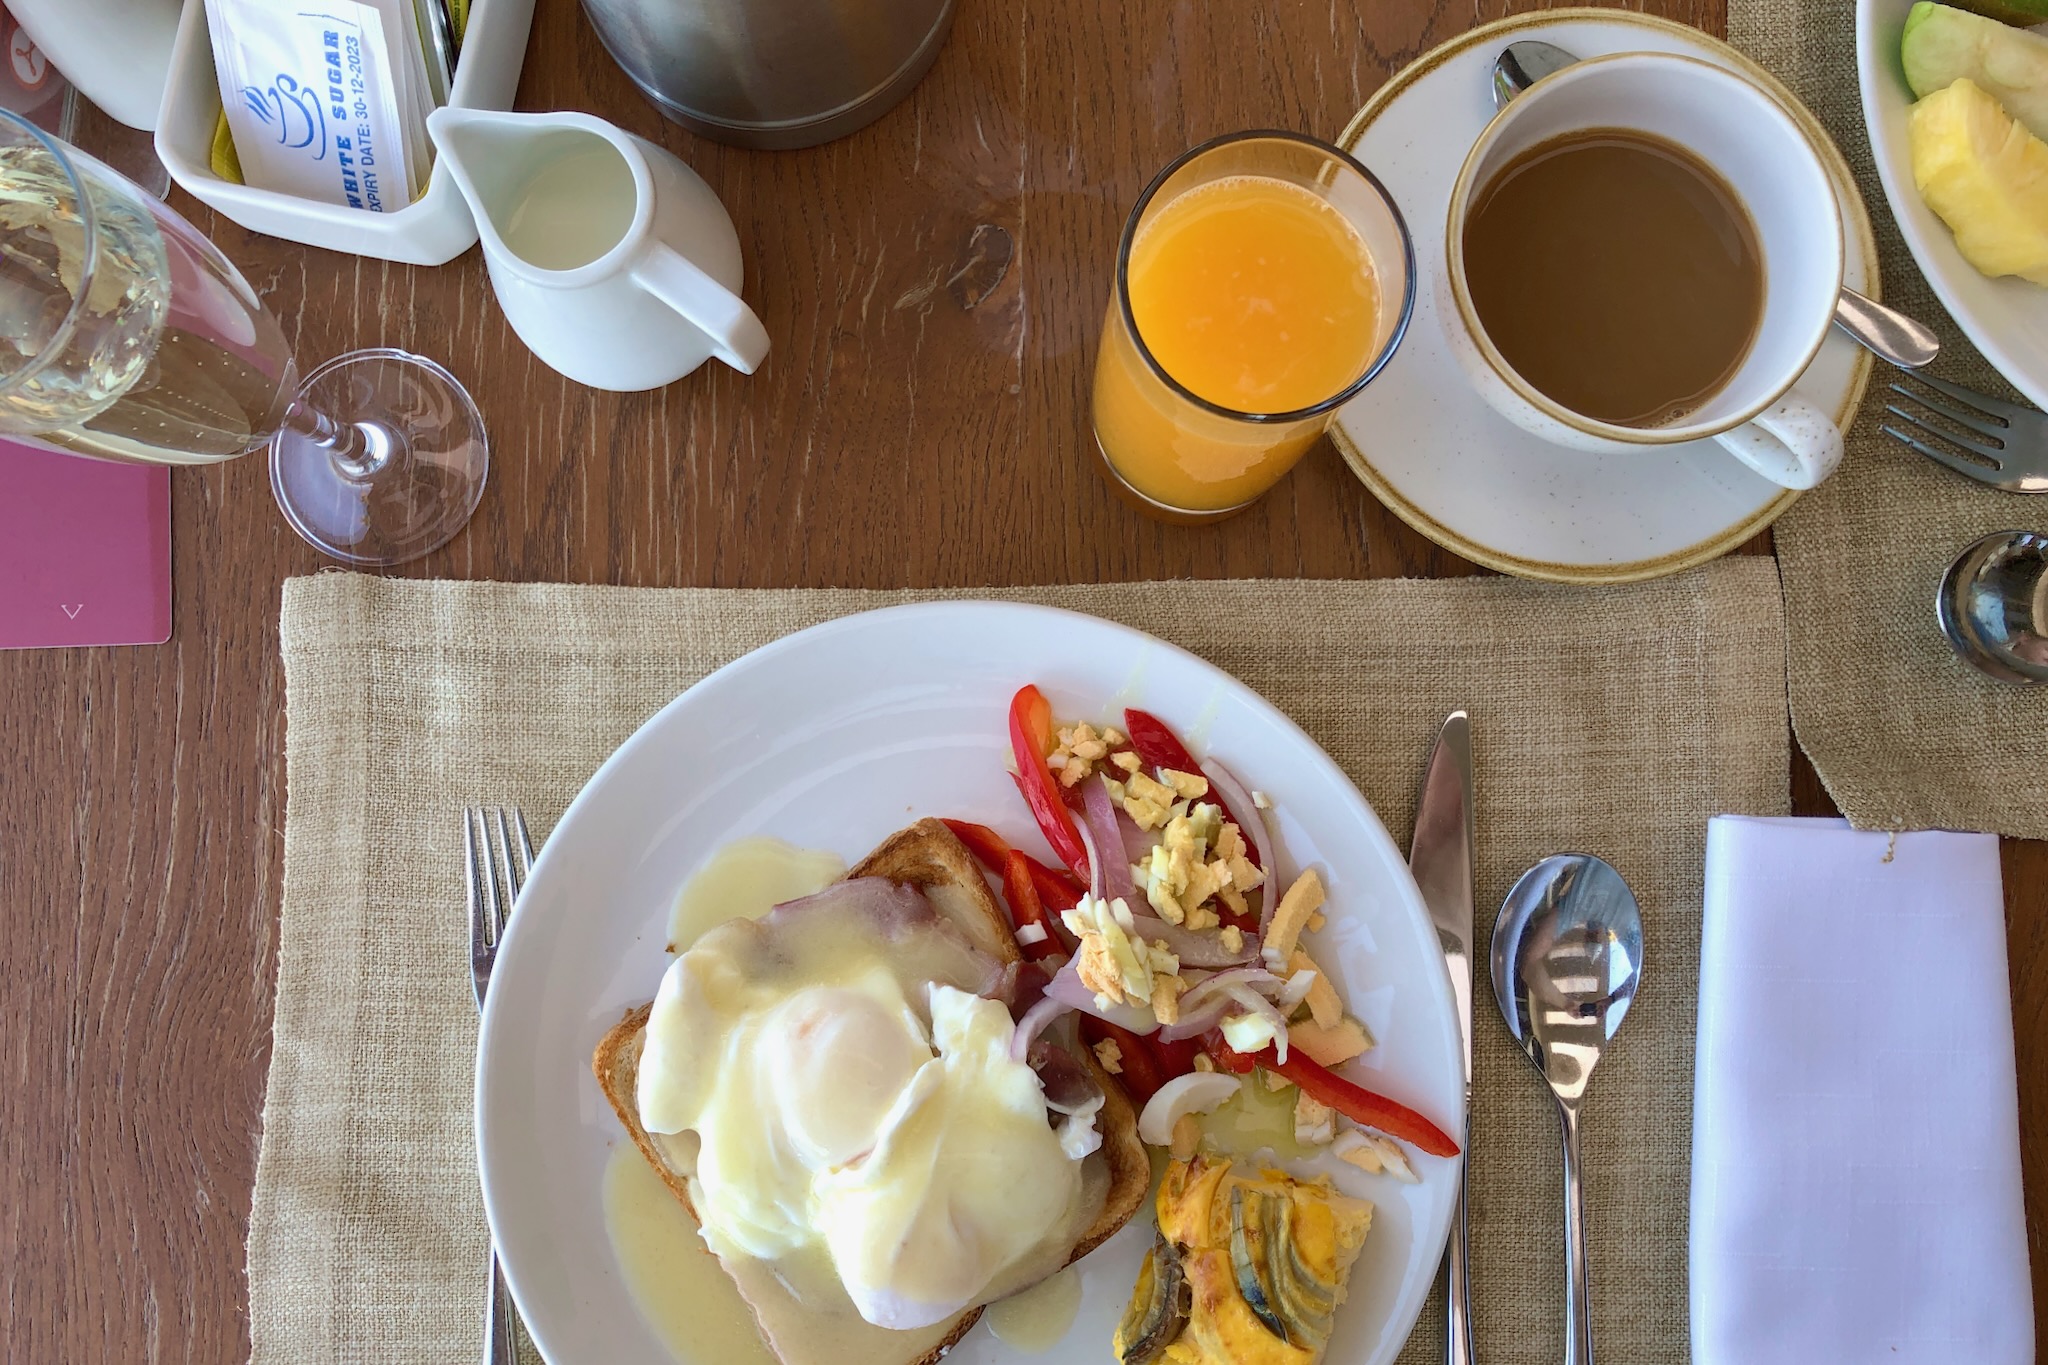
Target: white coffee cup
x=1771, y=163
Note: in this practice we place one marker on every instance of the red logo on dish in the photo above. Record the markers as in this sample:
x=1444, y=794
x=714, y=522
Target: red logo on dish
x=27, y=60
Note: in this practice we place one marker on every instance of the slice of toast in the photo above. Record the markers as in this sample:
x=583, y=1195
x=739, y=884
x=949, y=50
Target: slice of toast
x=929, y=857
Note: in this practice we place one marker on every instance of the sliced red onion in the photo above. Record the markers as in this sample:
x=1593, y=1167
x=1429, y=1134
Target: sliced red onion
x=1193, y=949
x=1035, y=1021
x=1193, y=1023
x=1067, y=986
x=1105, y=837
x=1216, y=987
x=1094, y=859
x=1232, y=998
x=1295, y=990
x=1254, y=1003
x=1138, y=844
x=1252, y=821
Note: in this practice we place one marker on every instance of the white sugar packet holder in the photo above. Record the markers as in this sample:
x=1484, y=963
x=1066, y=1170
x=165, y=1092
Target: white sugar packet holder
x=328, y=104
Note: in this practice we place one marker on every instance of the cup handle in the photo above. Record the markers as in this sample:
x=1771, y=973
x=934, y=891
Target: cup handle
x=737, y=336
x=1792, y=443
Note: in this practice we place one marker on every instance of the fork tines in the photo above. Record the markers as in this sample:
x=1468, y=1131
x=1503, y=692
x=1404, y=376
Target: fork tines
x=1977, y=435
x=499, y=854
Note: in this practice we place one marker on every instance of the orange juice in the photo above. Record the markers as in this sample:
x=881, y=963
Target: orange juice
x=1256, y=295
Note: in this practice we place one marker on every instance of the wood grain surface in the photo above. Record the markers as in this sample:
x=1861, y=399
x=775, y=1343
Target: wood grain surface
x=933, y=286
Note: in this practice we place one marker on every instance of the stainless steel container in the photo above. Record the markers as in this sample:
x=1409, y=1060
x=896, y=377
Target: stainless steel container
x=773, y=73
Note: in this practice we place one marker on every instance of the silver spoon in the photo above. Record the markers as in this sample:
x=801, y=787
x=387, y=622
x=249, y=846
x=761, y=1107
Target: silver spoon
x=1567, y=952
x=1993, y=606
x=1885, y=332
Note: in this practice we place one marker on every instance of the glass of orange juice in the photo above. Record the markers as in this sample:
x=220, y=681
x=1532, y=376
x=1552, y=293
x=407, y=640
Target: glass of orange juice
x=1262, y=280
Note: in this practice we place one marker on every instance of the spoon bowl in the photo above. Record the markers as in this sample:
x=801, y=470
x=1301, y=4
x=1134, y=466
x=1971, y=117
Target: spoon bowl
x=1993, y=606
x=1567, y=956
x=1567, y=952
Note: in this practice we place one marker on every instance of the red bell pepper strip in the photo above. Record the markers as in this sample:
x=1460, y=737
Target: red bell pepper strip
x=1141, y=1074
x=1056, y=889
x=1175, y=1058
x=1027, y=908
x=1031, y=739
x=1355, y=1102
x=985, y=844
x=1147, y=1062
x=1159, y=747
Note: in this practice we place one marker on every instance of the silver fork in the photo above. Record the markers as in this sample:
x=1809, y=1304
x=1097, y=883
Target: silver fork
x=500, y=854
x=2012, y=444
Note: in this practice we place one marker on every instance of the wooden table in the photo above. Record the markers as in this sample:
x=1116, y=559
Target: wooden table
x=934, y=285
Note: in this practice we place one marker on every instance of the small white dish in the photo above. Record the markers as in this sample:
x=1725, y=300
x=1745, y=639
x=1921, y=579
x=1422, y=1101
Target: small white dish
x=832, y=738
x=116, y=52
x=1457, y=471
x=432, y=229
x=2006, y=319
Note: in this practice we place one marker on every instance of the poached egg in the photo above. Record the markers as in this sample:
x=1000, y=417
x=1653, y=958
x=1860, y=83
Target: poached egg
x=854, y=1098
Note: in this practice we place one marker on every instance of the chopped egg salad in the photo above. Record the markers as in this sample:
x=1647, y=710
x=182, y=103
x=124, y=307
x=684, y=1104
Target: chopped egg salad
x=1188, y=951
x=1173, y=930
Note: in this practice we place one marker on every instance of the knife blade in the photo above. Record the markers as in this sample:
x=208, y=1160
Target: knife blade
x=1442, y=859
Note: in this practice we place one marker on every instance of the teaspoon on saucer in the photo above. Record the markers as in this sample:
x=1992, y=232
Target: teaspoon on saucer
x=1567, y=954
x=1885, y=332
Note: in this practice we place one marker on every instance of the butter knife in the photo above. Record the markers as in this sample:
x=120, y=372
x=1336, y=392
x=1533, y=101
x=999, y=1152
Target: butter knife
x=1441, y=858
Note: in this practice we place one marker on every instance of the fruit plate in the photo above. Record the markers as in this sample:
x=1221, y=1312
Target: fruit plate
x=2007, y=319
x=831, y=738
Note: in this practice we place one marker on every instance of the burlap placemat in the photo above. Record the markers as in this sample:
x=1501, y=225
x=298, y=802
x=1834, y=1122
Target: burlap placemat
x=1903, y=733
x=1615, y=721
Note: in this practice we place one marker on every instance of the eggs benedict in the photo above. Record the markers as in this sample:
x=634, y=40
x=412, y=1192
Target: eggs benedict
x=838, y=1093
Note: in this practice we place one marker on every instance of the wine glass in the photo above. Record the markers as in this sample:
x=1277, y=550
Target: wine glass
x=126, y=335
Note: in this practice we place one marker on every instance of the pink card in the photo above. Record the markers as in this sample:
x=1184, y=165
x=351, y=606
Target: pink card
x=85, y=551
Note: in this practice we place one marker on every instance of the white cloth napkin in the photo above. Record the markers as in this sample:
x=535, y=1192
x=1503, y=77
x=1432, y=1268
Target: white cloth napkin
x=1855, y=1161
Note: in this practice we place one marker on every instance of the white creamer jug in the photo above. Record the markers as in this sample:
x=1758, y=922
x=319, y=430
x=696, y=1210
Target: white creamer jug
x=614, y=262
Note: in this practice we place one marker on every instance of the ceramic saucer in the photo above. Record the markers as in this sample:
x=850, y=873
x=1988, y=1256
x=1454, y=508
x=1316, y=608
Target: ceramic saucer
x=1466, y=477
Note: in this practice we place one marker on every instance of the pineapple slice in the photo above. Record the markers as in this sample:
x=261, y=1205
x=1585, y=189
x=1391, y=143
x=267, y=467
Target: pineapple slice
x=1986, y=177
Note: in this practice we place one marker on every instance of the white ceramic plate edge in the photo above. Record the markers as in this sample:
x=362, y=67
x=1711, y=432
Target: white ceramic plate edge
x=1431, y=1235
x=1966, y=294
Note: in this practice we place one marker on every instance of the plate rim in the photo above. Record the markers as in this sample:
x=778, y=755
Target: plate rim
x=1857, y=217
x=1403, y=886
x=2000, y=355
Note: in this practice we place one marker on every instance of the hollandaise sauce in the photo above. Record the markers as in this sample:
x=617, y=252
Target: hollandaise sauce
x=677, y=1285
x=745, y=880
x=1038, y=1318
x=863, y=1153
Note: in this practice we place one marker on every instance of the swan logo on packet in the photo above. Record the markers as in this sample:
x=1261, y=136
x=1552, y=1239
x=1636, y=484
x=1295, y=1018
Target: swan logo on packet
x=311, y=103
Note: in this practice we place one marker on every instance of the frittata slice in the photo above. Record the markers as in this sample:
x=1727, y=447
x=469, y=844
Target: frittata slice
x=1248, y=1268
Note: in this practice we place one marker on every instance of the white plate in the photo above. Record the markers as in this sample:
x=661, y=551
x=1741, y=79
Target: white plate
x=2006, y=319
x=832, y=738
x=1468, y=478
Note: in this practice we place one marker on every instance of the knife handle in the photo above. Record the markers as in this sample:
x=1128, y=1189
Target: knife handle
x=1458, y=1277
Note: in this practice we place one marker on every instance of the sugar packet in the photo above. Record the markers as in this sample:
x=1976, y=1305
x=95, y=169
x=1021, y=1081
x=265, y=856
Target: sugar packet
x=327, y=99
